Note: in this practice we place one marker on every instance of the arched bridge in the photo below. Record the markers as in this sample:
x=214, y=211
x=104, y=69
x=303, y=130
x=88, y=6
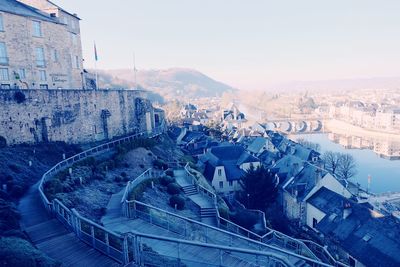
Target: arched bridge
x=296, y=126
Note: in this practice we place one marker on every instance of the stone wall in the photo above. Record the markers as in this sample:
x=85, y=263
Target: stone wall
x=73, y=116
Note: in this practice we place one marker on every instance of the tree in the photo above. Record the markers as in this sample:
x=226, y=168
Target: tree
x=347, y=167
x=309, y=144
x=260, y=188
x=340, y=164
x=332, y=161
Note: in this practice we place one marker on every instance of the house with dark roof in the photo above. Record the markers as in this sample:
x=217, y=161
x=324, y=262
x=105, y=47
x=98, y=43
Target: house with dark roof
x=187, y=111
x=225, y=165
x=260, y=144
x=354, y=232
x=301, y=183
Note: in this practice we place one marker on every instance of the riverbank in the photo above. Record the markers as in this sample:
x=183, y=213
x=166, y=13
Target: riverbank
x=346, y=128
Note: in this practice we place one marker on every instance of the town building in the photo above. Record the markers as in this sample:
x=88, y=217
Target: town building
x=40, y=47
x=225, y=165
x=354, y=232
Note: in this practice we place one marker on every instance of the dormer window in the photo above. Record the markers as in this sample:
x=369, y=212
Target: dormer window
x=219, y=172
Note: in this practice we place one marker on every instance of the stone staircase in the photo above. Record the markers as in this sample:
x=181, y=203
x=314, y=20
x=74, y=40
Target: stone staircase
x=190, y=190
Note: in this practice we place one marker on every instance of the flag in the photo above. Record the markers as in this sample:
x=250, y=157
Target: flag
x=95, y=53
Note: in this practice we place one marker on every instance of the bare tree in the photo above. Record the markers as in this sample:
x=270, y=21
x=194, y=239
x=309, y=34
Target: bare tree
x=309, y=144
x=341, y=164
x=347, y=167
x=332, y=161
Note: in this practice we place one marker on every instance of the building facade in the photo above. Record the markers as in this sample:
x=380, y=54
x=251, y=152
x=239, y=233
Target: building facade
x=40, y=46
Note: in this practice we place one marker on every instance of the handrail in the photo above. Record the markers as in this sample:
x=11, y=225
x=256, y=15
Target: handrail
x=73, y=216
x=103, y=147
x=249, y=233
x=307, y=259
x=133, y=233
x=327, y=253
x=133, y=183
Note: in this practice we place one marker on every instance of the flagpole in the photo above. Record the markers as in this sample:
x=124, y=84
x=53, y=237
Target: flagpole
x=134, y=70
x=95, y=65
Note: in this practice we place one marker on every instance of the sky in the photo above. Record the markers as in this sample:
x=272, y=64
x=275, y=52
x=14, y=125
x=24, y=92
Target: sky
x=247, y=44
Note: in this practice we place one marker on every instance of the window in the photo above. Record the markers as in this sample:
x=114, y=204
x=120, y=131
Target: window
x=77, y=62
x=40, y=62
x=55, y=55
x=3, y=54
x=5, y=86
x=1, y=23
x=230, y=183
x=314, y=222
x=219, y=172
x=44, y=86
x=42, y=75
x=37, y=28
x=4, y=74
x=22, y=74
x=221, y=184
x=74, y=39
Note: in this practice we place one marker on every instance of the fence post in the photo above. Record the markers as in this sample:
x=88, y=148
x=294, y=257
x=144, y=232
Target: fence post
x=92, y=234
x=107, y=243
x=126, y=250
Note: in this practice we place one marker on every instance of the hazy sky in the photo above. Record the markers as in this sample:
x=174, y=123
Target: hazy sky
x=248, y=44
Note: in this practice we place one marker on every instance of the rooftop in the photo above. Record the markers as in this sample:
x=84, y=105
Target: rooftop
x=18, y=8
x=365, y=234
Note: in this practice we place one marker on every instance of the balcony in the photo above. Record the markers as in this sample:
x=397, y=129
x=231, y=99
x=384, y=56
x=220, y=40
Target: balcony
x=4, y=61
x=41, y=63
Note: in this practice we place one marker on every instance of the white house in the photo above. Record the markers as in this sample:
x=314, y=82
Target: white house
x=225, y=165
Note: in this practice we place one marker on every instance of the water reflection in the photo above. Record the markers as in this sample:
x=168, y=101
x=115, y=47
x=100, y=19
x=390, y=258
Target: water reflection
x=385, y=147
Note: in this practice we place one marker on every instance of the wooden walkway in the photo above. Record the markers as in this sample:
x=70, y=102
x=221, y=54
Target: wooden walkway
x=51, y=237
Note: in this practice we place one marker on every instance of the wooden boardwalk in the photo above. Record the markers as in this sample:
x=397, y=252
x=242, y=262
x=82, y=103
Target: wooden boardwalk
x=51, y=237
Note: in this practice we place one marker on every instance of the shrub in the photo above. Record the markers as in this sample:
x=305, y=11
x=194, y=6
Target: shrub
x=118, y=179
x=166, y=180
x=124, y=174
x=159, y=164
x=137, y=192
x=173, y=188
x=98, y=176
x=19, y=252
x=53, y=187
x=245, y=219
x=224, y=213
x=17, y=191
x=169, y=173
x=19, y=97
x=3, y=142
x=178, y=201
x=141, y=166
x=14, y=168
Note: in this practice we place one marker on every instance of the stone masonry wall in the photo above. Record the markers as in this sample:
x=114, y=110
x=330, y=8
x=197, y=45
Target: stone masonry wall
x=73, y=116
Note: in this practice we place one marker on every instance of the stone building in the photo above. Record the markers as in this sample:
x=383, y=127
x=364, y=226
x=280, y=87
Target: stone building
x=40, y=46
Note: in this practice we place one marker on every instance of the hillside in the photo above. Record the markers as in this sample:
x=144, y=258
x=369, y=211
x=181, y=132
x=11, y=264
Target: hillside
x=170, y=83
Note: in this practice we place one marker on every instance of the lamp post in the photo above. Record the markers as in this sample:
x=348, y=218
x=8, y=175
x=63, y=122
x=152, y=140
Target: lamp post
x=248, y=200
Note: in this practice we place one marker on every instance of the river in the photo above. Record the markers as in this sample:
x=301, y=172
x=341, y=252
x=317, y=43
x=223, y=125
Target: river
x=385, y=173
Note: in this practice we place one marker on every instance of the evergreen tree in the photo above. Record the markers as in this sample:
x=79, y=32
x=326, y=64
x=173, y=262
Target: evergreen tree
x=260, y=188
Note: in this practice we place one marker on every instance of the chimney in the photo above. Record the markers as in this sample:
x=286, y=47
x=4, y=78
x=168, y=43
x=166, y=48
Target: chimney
x=347, y=210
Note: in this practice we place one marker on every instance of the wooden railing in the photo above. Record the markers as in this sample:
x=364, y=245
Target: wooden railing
x=197, y=231
x=271, y=237
x=131, y=247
